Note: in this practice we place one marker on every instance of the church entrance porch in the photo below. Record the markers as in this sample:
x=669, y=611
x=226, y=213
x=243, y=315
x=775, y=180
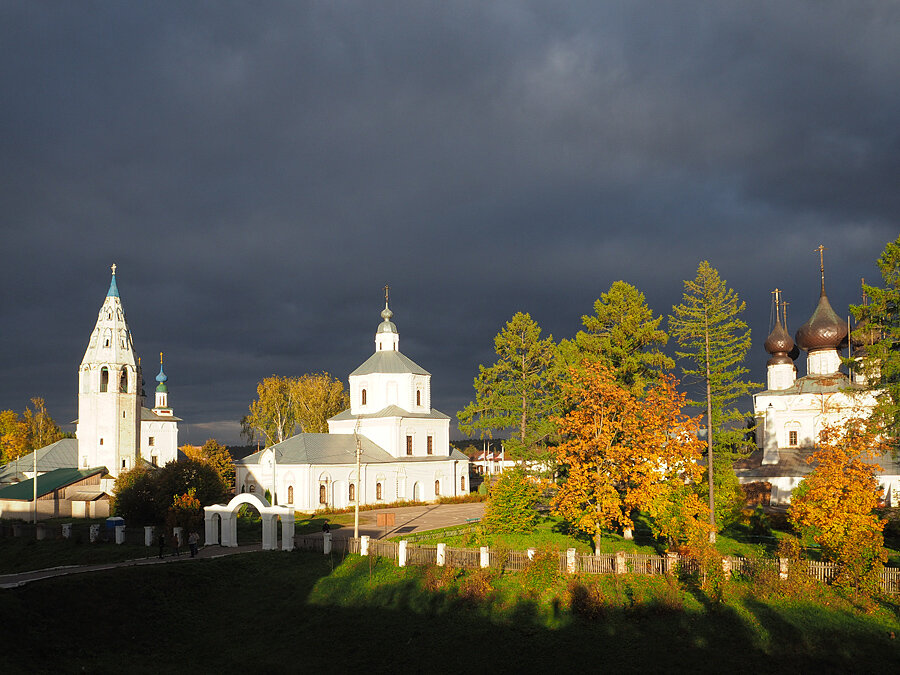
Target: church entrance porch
x=269, y=515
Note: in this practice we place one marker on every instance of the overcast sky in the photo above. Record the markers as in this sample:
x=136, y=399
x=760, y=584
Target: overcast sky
x=258, y=172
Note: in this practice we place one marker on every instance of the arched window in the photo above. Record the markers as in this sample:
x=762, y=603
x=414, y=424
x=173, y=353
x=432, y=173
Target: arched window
x=123, y=381
x=290, y=494
x=378, y=491
x=437, y=488
x=462, y=483
x=252, y=487
x=418, y=397
x=321, y=494
x=363, y=397
x=104, y=379
x=352, y=492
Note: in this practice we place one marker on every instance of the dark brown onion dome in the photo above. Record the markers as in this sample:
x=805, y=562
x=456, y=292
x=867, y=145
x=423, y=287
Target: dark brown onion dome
x=779, y=344
x=824, y=330
x=794, y=353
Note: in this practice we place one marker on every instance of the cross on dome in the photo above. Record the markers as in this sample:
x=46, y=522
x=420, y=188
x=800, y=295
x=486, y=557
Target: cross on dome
x=113, y=268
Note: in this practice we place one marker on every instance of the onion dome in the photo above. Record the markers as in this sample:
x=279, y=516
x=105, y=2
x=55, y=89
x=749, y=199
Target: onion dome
x=386, y=326
x=162, y=378
x=779, y=345
x=824, y=330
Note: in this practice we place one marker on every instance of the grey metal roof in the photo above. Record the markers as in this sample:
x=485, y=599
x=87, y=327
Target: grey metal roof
x=792, y=463
x=323, y=449
x=148, y=415
x=389, y=362
x=817, y=384
x=60, y=455
x=391, y=411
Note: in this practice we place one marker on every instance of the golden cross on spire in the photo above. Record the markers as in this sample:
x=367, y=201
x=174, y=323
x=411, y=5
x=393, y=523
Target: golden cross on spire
x=387, y=290
x=777, y=295
x=821, y=250
x=784, y=306
x=113, y=268
x=160, y=358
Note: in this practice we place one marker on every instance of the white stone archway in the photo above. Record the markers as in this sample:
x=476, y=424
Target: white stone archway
x=268, y=514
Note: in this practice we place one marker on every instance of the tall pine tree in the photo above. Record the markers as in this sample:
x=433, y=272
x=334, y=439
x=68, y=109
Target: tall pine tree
x=878, y=334
x=623, y=335
x=519, y=393
x=714, y=342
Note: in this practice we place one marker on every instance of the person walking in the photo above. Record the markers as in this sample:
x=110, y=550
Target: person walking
x=194, y=542
x=161, y=540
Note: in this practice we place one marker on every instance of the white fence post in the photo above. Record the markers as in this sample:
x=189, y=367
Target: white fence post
x=95, y=533
x=620, y=562
x=571, y=563
x=401, y=554
x=148, y=535
x=530, y=553
x=782, y=568
x=67, y=530
x=441, y=554
x=120, y=534
x=40, y=532
x=326, y=543
x=671, y=562
x=726, y=567
x=485, y=557
x=364, y=545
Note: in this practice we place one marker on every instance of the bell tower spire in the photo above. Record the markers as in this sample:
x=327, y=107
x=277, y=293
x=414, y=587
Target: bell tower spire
x=109, y=391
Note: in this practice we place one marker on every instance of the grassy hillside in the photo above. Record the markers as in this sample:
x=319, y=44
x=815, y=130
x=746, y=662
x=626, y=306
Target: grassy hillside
x=282, y=612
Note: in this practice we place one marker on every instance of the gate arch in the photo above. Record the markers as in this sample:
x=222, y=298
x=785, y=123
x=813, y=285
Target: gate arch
x=268, y=514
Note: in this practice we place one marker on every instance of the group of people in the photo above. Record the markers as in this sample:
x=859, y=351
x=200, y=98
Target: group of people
x=193, y=543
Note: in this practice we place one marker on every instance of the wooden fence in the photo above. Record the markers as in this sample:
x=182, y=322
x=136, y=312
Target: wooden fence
x=615, y=563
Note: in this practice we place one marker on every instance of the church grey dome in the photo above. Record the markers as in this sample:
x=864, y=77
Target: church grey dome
x=386, y=326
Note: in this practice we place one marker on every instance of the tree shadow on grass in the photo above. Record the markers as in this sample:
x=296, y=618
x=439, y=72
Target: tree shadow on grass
x=292, y=611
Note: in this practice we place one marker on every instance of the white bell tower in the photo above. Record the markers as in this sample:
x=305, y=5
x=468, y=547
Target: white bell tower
x=109, y=400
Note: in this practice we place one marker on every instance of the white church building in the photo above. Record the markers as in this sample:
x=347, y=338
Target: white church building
x=114, y=431
x=792, y=411
x=403, y=443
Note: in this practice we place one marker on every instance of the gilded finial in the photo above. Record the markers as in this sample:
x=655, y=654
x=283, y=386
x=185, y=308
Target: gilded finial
x=821, y=250
x=113, y=268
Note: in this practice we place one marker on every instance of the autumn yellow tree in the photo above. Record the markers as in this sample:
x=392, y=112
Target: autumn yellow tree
x=285, y=403
x=216, y=455
x=34, y=429
x=624, y=453
x=836, y=503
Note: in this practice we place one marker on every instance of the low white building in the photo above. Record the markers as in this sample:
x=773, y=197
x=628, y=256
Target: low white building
x=792, y=411
x=403, y=443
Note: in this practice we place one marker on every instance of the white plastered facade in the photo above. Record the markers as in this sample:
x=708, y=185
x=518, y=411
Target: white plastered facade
x=410, y=458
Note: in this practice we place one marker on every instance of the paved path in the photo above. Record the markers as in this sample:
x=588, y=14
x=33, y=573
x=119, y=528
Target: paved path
x=206, y=552
x=410, y=519
x=406, y=520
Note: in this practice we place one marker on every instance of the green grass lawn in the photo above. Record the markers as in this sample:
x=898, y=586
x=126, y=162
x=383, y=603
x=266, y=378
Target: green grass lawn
x=283, y=612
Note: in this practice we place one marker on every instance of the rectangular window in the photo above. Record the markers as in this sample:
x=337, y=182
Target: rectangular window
x=154, y=460
x=151, y=441
x=792, y=439
x=431, y=445
x=101, y=441
x=123, y=463
x=409, y=445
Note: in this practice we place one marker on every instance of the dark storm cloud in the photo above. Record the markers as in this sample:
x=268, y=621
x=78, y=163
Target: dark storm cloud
x=259, y=172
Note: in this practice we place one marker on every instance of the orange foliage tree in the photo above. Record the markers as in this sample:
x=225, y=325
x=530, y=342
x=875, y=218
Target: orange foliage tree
x=836, y=503
x=626, y=453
